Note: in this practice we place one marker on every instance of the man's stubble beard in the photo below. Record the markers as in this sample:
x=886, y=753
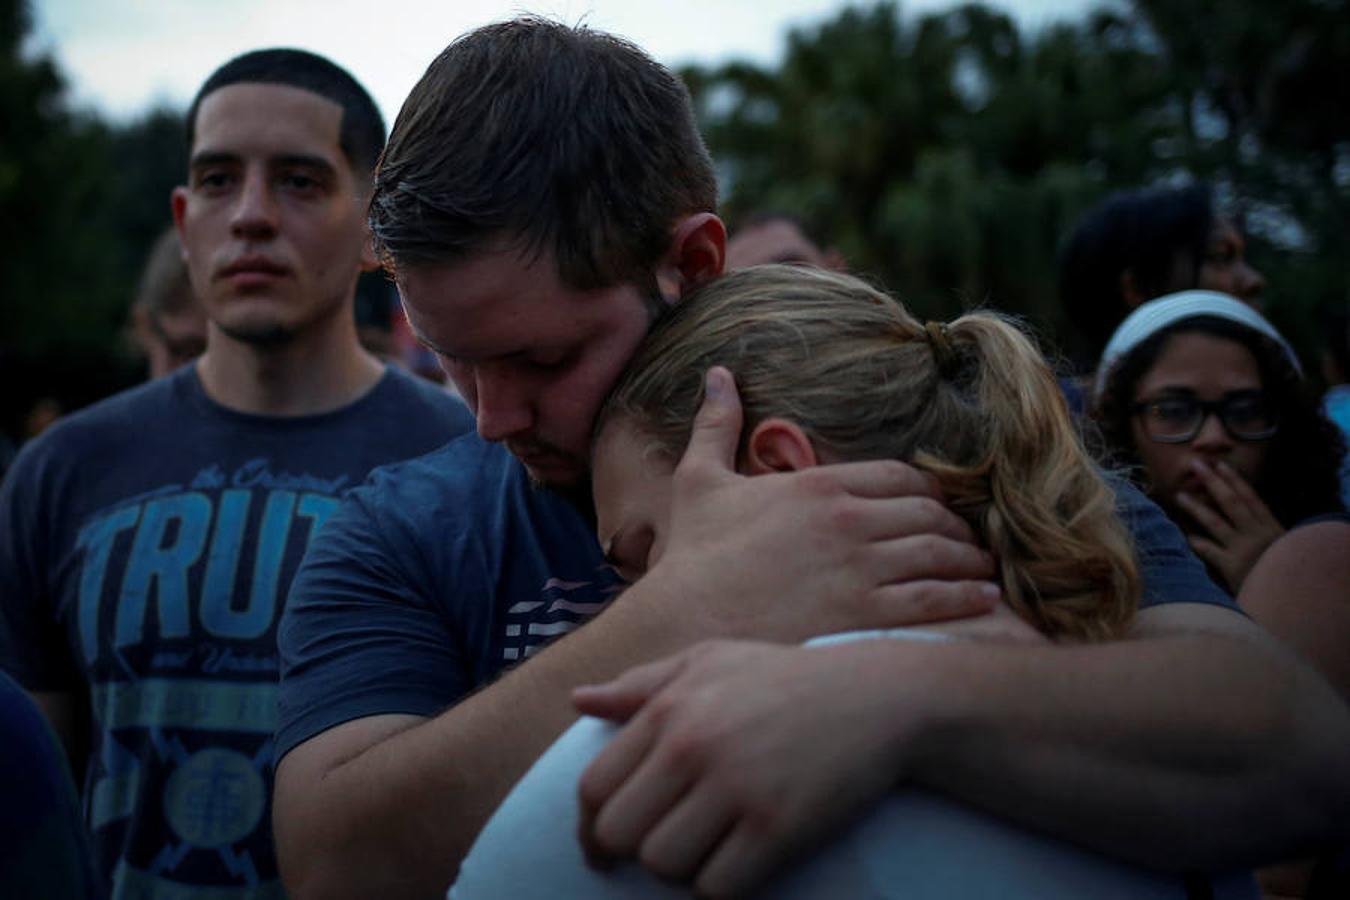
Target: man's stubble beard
x=578, y=491
x=273, y=334
x=269, y=336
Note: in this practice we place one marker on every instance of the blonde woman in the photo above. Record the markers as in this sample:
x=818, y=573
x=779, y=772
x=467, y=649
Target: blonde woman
x=829, y=370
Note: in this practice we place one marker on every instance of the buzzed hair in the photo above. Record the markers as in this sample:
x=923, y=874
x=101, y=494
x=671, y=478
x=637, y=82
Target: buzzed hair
x=551, y=138
x=361, y=134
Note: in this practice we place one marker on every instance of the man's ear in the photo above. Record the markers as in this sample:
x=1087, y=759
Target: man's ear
x=777, y=445
x=697, y=254
x=178, y=199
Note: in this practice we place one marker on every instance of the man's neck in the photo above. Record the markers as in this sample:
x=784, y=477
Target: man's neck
x=578, y=495
x=321, y=370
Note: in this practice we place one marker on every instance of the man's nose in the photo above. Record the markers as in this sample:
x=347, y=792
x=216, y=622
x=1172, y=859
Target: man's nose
x=255, y=210
x=503, y=406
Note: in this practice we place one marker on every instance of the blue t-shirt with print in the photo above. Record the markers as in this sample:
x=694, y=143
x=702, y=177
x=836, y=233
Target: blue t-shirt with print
x=146, y=547
x=430, y=579
x=440, y=572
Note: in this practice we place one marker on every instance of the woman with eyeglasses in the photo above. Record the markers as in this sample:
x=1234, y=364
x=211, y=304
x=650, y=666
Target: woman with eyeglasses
x=1207, y=398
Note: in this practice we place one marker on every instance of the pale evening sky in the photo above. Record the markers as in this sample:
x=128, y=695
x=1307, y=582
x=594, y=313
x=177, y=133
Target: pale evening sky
x=122, y=58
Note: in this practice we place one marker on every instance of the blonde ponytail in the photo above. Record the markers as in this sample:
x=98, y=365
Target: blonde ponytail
x=972, y=402
x=1066, y=561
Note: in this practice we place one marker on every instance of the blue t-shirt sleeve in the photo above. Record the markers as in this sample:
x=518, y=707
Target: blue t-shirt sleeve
x=359, y=636
x=1169, y=570
x=33, y=648
x=44, y=848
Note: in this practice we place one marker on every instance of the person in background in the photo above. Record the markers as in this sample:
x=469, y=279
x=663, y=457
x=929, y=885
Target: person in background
x=147, y=541
x=1140, y=244
x=167, y=322
x=1336, y=371
x=775, y=237
x=376, y=307
x=1208, y=402
x=44, y=848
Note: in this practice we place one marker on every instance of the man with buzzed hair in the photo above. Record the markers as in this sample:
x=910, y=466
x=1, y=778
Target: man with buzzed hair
x=146, y=543
x=544, y=193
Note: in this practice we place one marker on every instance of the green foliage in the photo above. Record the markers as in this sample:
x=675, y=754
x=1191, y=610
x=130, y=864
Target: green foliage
x=949, y=154
x=80, y=203
x=946, y=154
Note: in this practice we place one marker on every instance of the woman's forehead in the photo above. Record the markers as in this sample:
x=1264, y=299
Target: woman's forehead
x=1199, y=360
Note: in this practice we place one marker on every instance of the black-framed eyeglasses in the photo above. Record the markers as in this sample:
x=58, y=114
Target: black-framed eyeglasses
x=1178, y=418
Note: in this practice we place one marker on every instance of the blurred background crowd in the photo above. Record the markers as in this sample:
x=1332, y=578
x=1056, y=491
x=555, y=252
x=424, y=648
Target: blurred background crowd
x=948, y=154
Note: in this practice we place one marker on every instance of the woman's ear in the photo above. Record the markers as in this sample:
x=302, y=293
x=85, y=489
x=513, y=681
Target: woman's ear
x=777, y=445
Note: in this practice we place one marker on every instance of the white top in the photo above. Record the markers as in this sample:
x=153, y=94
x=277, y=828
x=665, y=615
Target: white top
x=913, y=844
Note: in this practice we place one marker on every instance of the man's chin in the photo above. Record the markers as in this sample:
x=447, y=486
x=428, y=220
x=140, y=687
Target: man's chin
x=575, y=489
x=557, y=478
x=259, y=333
x=551, y=469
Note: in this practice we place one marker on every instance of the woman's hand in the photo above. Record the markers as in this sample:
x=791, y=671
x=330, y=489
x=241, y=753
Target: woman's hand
x=1236, y=524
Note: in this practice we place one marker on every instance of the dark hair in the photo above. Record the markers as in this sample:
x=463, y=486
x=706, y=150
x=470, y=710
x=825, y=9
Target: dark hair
x=1300, y=477
x=361, y=134
x=1143, y=232
x=560, y=139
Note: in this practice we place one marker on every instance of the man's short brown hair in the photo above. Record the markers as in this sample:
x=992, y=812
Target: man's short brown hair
x=361, y=133
x=557, y=139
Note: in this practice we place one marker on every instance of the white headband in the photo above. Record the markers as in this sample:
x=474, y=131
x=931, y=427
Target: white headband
x=1155, y=315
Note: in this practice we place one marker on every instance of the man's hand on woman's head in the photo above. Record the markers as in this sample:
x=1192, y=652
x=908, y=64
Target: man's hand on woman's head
x=789, y=555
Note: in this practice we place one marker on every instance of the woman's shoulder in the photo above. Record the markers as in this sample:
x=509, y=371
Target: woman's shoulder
x=1340, y=516
x=1299, y=590
x=1316, y=549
